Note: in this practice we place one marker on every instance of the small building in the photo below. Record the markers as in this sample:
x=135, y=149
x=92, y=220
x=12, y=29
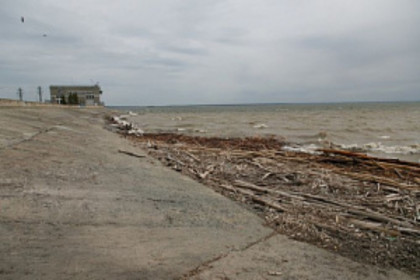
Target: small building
x=82, y=95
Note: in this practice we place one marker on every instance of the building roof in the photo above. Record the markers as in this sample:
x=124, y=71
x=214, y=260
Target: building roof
x=75, y=86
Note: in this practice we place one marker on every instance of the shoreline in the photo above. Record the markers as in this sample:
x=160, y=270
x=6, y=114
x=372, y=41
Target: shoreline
x=76, y=203
x=390, y=132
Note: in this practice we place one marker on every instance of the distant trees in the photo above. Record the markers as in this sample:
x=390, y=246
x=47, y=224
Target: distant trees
x=62, y=100
x=73, y=99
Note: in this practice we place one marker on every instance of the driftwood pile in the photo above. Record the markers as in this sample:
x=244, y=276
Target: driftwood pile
x=362, y=207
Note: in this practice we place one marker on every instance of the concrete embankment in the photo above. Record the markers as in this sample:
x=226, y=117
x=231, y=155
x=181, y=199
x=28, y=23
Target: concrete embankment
x=17, y=103
x=73, y=206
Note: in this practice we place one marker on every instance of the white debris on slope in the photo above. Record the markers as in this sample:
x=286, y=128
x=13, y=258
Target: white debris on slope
x=126, y=127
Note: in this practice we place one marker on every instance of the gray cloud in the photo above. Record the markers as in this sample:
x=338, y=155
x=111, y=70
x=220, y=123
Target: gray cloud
x=225, y=51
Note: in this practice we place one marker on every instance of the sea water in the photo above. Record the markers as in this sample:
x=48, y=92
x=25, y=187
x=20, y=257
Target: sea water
x=389, y=130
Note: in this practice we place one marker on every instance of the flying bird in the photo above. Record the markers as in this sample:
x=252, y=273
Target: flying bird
x=22, y=19
x=44, y=35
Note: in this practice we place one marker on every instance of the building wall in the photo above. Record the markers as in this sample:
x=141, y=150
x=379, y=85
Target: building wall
x=87, y=95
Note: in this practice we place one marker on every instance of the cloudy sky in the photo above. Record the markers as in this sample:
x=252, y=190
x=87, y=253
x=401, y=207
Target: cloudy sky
x=162, y=52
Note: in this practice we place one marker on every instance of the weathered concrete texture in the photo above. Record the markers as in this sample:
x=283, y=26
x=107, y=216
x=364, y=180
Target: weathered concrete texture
x=73, y=207
x=281, y=258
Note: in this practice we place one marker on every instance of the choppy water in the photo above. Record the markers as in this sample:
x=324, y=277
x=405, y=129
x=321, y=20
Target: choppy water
x=381, y=129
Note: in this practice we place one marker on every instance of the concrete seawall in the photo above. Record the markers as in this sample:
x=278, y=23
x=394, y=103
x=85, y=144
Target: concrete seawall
x=73, y=207
x=17, y=103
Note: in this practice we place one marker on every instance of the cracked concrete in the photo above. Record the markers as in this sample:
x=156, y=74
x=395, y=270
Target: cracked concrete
x=73, y=207
x=281, y=258
x=277, y=257
x=209, y=264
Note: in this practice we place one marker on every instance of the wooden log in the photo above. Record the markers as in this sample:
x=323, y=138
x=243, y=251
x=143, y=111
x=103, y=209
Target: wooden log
x=192, y=156
x=378, y=217
x=389, y=162
x=131, y=154
x=268, y=202
x=251, y=186
x=377, y=227
x=170, y=158
x=260, y=200
x=353, y=209
x=294, y=195
x=376, y=179
x=409, y=231
x=204, y=175
x=266, y=176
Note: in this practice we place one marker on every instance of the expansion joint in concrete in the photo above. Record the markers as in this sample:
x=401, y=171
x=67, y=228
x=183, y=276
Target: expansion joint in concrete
x=14, y=144
x=207, y=264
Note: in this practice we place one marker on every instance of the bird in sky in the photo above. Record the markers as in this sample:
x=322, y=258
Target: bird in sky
x=22, y=19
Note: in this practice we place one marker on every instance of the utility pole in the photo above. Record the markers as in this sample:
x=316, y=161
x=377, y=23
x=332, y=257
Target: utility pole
x=40, y=94
x=20, y=94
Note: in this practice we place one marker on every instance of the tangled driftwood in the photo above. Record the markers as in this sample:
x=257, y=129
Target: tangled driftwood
x=363, y=207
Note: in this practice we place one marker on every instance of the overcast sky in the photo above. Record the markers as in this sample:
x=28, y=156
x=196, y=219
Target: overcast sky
x=162, y=52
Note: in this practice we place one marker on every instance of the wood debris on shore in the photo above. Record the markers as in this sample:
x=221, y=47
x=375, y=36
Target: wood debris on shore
x=362, y=207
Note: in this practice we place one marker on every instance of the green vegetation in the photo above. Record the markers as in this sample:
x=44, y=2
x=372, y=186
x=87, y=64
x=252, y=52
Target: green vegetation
x=73, y=99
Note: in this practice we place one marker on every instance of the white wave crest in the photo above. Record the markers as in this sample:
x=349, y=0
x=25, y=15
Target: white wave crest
x=261, y=126
x=309, y=149
x=379, y=147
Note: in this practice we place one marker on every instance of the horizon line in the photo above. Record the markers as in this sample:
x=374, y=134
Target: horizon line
x=265, y=103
